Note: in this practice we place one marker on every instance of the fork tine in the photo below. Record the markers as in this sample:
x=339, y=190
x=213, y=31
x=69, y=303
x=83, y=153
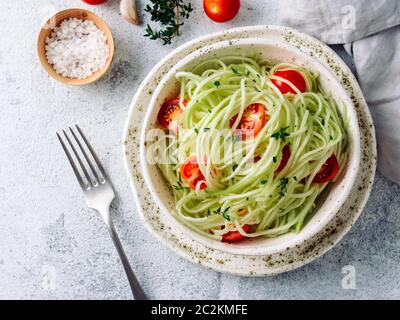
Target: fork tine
x=79, y=159
x=89, y=162
x=93, y=153
x=71, y=161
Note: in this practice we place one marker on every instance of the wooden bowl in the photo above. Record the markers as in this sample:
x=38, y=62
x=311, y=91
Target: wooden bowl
x=55, y=21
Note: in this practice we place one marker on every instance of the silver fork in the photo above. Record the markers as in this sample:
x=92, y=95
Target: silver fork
x=98, y=193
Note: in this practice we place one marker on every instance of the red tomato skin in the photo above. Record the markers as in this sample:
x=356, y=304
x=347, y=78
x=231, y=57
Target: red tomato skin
x=190, y=171
x=234, y=236
x=252, y=120
x=221, y=10
x=285, y=158
x=328, y=170
x=193, y=183
x=291, y=75
x=94, y=2
x=168, y=114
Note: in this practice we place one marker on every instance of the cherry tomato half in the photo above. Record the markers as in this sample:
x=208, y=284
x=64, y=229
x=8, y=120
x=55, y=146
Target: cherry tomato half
x=221, y=10
x=328, y=171
x=252, y=120
x=285, y=158
x=293, y=76
x=233, y=236
x=169, y=114
x=94, y=2
x=190, y=171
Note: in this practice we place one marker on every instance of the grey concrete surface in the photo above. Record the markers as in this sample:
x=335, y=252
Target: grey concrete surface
x=53, y=247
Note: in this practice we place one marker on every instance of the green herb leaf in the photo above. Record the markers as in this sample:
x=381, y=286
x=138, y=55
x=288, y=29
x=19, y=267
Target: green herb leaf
x=178, y=186
x=206, y=129
x=264, y=181
x=196, y=130
x=217, y=83
x=235, y=71
x=281, y=134
x=274, y=159
x=225, y=215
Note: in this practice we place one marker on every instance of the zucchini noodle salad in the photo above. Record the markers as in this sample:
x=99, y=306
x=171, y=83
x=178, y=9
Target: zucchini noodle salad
x=248, y=146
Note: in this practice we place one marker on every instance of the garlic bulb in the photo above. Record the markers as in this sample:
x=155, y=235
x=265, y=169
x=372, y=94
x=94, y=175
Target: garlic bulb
x=128, y=11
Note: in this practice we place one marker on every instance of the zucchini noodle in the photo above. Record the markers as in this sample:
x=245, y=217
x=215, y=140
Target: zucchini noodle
x=243, y=185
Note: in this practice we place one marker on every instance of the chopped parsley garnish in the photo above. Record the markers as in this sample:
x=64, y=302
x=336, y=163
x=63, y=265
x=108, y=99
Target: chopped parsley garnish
x=330, y=137
x=217, y=83
x=264, y=181
x=281, y=134
x=274, y=159
x=209, y=110
x=323, y=122
x=234, y=166
x=206, y=129
x=295, y=178
x=196, y=130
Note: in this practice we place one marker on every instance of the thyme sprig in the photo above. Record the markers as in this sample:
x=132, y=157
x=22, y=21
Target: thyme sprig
x=170, y=15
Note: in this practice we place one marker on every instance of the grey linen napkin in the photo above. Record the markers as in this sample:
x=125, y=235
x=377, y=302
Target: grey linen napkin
x=370, y=32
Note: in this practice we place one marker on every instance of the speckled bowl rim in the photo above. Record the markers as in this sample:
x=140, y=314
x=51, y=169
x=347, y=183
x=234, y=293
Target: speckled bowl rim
x=246, y=265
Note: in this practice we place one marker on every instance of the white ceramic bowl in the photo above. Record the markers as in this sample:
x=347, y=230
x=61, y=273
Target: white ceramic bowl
x=329, y=203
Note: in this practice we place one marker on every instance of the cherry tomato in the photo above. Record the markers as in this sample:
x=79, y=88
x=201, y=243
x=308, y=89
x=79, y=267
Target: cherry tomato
x=233, y=236
x=169, y=114
x=252, y=120
x=293, y=76
x=190, y=171
x=285, y=158
x=94, y=2
x=328, y=171
x=221, y=10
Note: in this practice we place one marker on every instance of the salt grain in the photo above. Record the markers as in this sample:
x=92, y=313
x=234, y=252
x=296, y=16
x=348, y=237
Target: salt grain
x=77, y=48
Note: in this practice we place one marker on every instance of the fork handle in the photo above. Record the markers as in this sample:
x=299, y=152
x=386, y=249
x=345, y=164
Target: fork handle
x=136, y=288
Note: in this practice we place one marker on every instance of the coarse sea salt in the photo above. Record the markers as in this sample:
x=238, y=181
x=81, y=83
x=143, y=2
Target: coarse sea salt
x=77, y=48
